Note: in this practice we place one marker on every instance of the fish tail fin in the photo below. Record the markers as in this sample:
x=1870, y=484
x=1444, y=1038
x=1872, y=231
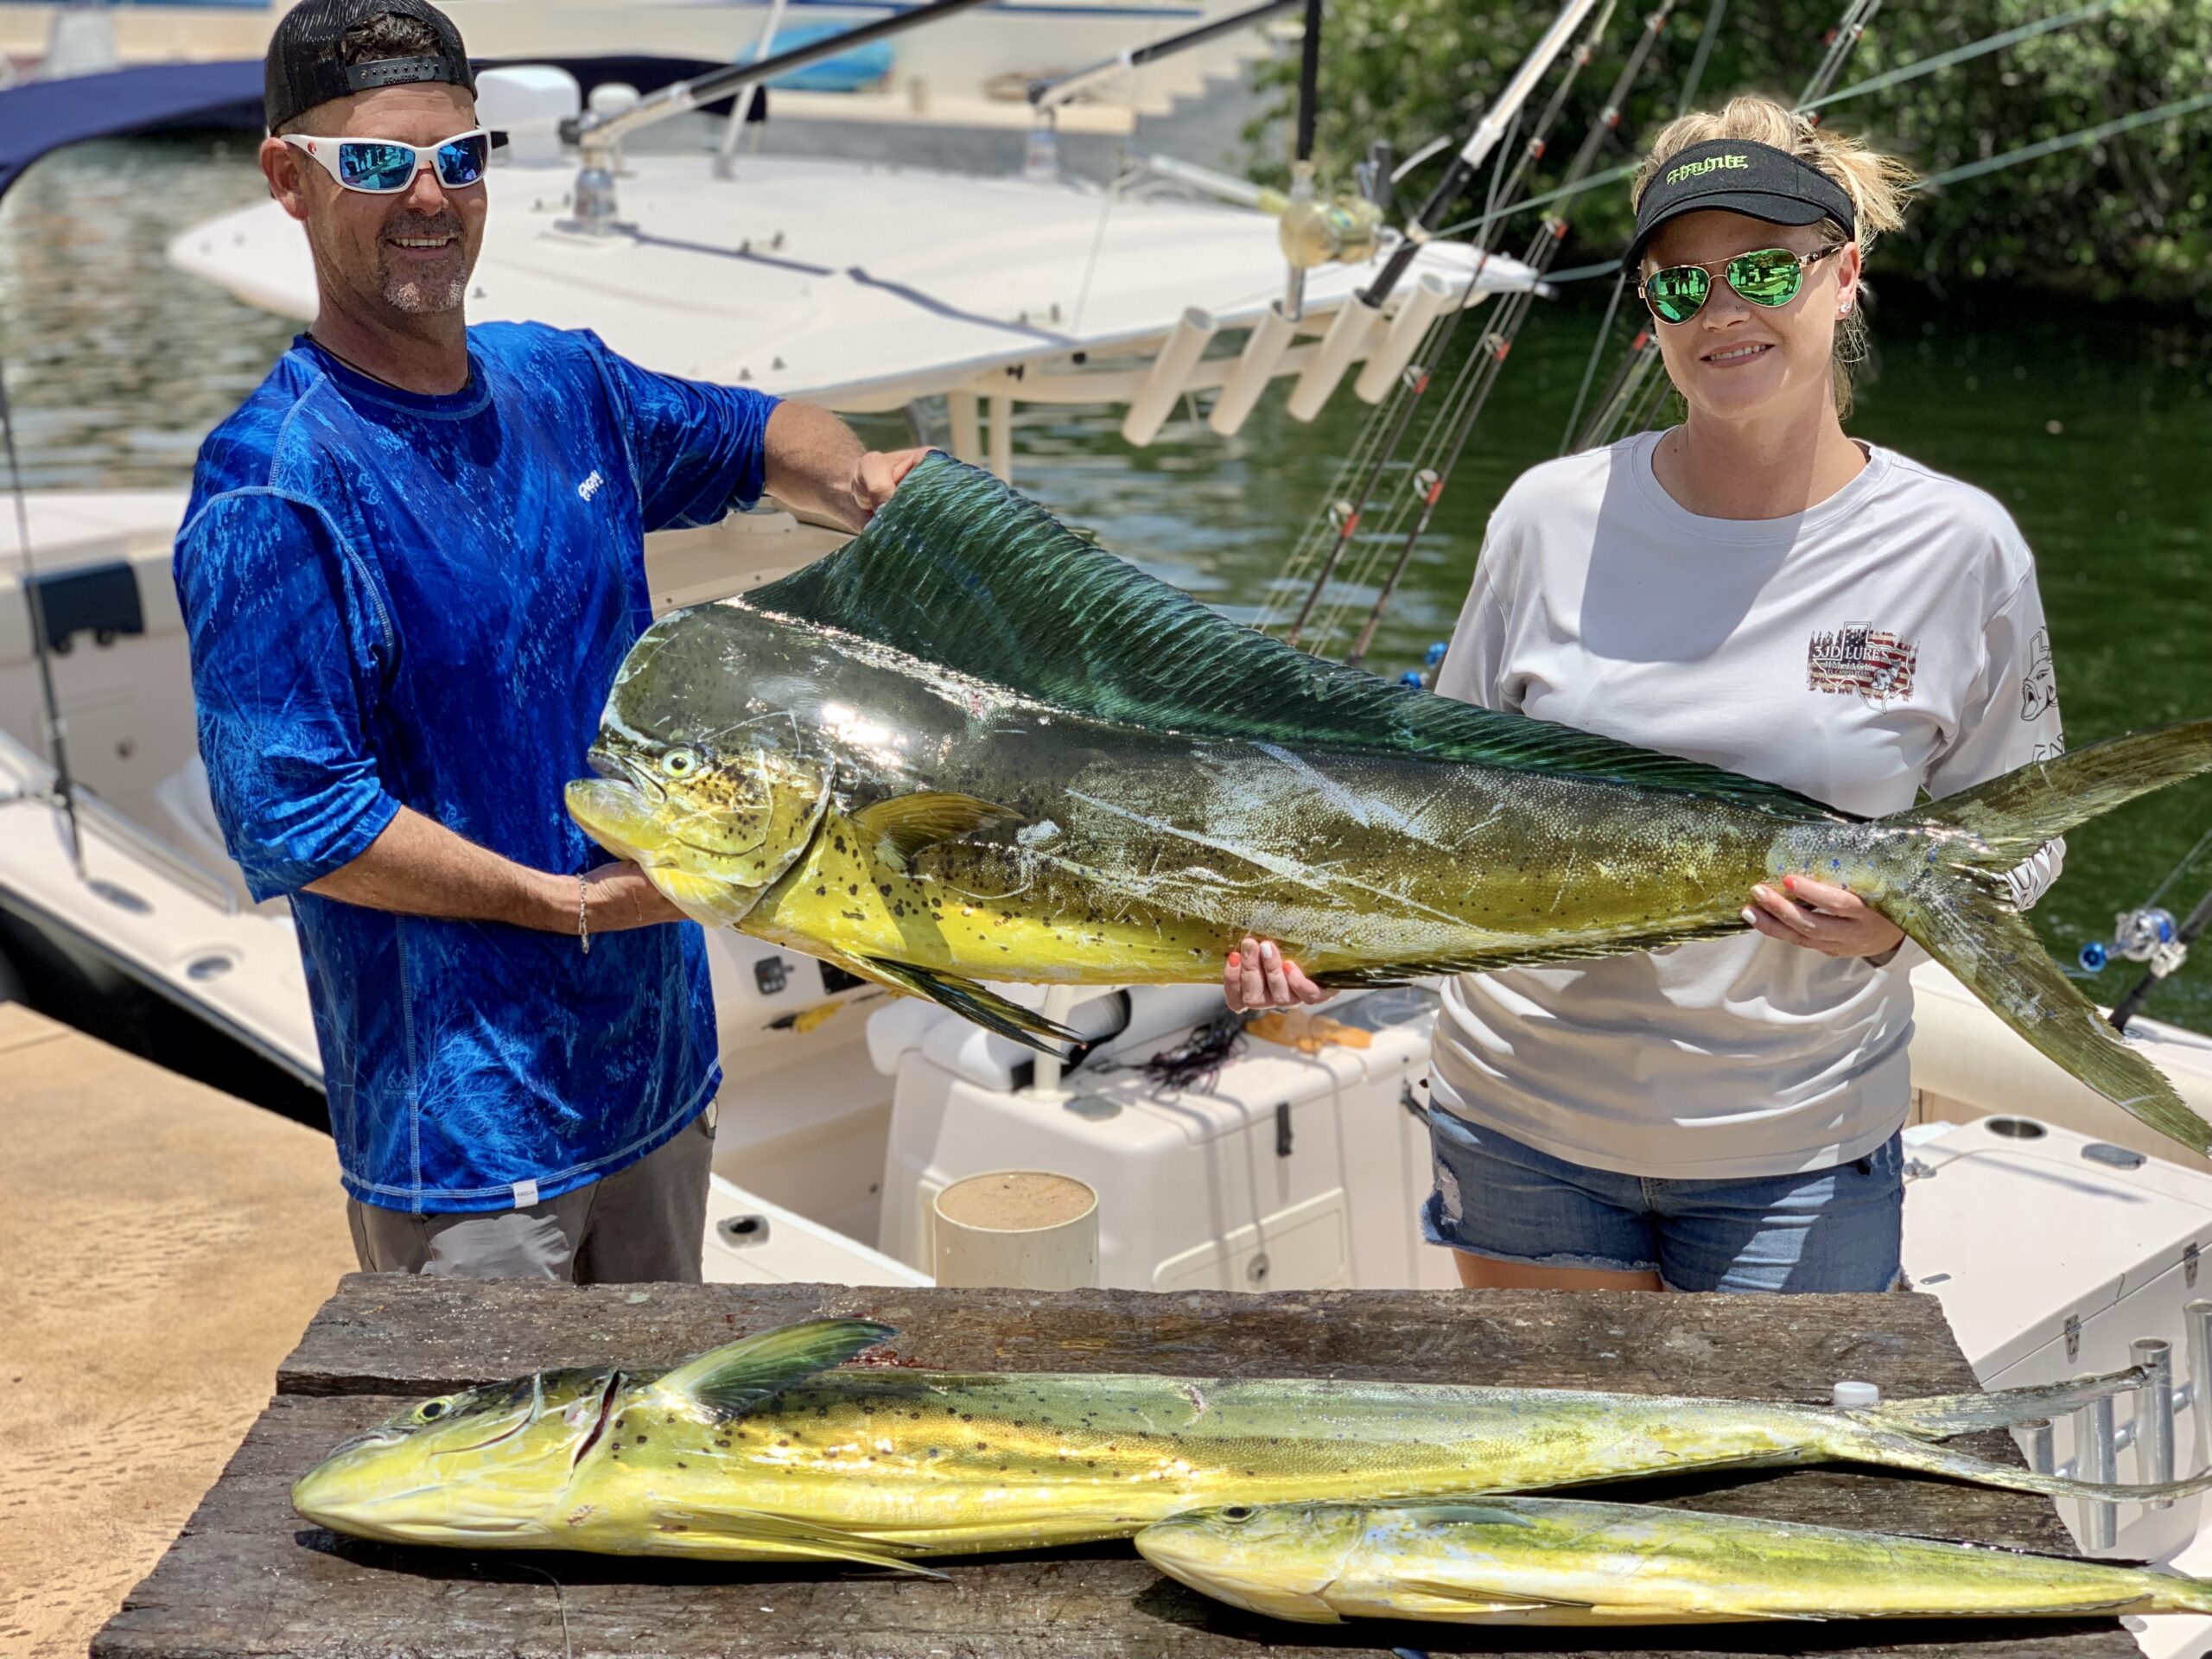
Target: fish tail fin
x=1959, y=909
x=1889, y=1450
x=2171, y=1592
x=2017, y=813
x=1940, y=1415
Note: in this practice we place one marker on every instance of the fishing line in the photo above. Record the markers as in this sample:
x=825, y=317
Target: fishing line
x=35, y=595
x=1705, y=39
x=2068, y=141
x=1960, y=55
x=560, y=1601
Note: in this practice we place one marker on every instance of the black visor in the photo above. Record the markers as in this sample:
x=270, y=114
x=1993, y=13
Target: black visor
x=1736, y=176
x=306, y=66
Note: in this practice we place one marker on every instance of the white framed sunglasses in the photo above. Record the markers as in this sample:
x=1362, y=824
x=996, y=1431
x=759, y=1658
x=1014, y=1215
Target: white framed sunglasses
x=384, y=167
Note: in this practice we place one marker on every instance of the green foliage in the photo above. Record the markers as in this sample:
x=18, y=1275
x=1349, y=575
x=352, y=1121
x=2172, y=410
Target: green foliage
x=2131, y=214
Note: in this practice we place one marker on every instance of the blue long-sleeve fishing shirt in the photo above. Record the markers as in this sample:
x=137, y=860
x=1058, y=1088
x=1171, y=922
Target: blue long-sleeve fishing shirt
x=399, y=599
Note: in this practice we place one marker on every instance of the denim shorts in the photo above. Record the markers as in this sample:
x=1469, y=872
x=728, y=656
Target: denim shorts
x=1825, y=1230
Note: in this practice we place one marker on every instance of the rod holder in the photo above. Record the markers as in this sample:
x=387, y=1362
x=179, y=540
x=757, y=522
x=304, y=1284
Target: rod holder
x=2154, y=1414
x=2197, y=1318
x=1349, y=332
x=1255, y=367
x=1408, y=329
x=1170, y=372
x=2097, y=1456
x=2041, y=1443
x=1029, y=1229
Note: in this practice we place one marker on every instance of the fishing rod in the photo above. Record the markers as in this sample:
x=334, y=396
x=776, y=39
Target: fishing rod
x=597, y=135
x=1472, y=154
x=1414, y=384
x=64, y=788
x=2169, y=955
x=1842, y=42
x=1049, y=93
x=1490, y=363
x=1301, y=163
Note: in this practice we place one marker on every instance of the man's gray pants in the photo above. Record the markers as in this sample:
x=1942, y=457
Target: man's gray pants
x=644, y=1223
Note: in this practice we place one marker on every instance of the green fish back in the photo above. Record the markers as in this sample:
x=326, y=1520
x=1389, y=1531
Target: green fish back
x=959, y=570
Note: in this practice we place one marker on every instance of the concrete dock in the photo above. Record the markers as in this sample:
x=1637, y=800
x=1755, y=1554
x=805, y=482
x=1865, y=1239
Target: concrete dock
x=161, y=1248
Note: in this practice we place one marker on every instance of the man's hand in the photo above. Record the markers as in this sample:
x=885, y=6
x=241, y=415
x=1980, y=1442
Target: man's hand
x=1833, y=920
x=1258, y=975
x=814, y=463
x=620, y=896
x=878, y=474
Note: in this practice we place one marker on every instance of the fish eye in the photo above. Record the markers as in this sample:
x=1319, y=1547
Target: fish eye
x=1237, y=1512
x=679, y=763
x=430, y=1410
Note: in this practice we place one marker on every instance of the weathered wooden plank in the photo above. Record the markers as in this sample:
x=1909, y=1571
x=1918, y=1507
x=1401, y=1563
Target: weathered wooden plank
x=389, y=1333
x=248, y=1580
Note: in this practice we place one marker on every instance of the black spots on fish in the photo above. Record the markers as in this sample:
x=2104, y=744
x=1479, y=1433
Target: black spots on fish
x=782, y=1442
x=982, y=1446
x=913, y=1416
x=640, y=1440
x=821, y=892
x=838, y=841
x=1091, y=1462
x=682, y=1464
x=967, y=1416
x=936, y=1451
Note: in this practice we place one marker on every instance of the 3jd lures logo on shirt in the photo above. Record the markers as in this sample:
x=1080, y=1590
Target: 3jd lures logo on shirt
x=1859, y=657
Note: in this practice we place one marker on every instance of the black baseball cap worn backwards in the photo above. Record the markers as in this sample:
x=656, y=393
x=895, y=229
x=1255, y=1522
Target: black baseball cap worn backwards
x=305, y=64
x=1735, y=175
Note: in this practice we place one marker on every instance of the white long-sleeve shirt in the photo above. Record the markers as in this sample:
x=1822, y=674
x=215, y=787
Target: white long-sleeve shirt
x=1888, y=641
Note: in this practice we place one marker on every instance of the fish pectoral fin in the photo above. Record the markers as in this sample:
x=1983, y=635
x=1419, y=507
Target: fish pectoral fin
x=903, y=825
x=1472, y=1598
x=737, y=1377
x=779, y=1537
x=705, y=901
x=972, y=1002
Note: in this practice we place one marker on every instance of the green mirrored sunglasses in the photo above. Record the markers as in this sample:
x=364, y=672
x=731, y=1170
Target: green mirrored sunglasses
x=1765, y=276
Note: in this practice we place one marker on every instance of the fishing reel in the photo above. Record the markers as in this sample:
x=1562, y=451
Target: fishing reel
x=1346, y=228
x=1424, y=678
x=2147, y=935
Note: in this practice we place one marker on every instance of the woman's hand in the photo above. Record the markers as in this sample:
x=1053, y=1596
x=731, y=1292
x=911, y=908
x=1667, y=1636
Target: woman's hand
x=1833, y=920
x=1260, y=976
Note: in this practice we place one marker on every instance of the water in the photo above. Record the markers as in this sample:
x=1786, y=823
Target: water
x=2093, y=426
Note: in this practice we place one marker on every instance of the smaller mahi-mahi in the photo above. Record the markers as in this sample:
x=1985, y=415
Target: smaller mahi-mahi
x=1534, y=1561
x=765, y=1450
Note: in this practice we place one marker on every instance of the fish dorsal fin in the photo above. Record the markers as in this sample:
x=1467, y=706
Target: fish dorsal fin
x=903, y=825
x=731, y=1380
x=957, y=570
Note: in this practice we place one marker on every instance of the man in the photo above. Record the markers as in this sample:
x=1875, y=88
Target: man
x=412, y=564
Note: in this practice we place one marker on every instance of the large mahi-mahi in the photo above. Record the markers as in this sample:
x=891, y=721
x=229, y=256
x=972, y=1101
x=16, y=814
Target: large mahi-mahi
x=760, y=1450
x=970, y=747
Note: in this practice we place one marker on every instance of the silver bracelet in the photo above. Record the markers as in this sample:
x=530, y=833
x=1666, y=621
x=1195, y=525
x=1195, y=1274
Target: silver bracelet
x=583, y=925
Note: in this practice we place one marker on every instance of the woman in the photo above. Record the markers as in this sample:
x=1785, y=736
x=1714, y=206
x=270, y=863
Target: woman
x=1756, y=590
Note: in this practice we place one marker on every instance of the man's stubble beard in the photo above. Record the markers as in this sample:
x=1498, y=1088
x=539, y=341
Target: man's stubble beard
x=424, y=296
